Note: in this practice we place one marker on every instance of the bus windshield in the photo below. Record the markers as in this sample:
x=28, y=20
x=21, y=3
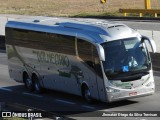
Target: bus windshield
x=124, y=58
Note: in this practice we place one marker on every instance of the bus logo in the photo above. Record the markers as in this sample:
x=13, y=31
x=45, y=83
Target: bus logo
x=6, y=114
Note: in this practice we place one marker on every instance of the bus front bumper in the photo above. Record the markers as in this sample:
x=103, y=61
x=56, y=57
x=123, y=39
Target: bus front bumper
x=129, y=94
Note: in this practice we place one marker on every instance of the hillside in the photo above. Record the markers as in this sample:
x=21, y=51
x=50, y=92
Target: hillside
x=68, y=7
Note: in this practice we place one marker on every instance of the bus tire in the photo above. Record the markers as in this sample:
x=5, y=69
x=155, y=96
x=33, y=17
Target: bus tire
x=86, y=94
x=37, y=86
x=28, y=82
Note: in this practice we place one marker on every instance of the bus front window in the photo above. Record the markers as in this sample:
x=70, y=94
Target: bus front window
x=125, y=57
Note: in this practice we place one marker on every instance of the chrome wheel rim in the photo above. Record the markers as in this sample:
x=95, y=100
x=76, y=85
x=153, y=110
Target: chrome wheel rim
x=28, y=82
x=87, y=95
x=37, y=86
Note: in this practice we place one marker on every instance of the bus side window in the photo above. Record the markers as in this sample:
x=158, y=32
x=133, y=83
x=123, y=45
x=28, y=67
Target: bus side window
x=85, y=52
x=88, y=53
x=43, y=41
x=61, y=43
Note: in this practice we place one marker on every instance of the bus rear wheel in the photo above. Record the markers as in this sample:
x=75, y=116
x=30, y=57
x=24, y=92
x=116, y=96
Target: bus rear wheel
x=37, y=86
x=28, y=82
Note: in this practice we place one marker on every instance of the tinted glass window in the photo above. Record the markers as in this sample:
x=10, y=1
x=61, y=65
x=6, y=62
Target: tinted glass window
x=125, y=57
x=85, y=52
x=44, y=41
x=61, y=43
x=88, y=53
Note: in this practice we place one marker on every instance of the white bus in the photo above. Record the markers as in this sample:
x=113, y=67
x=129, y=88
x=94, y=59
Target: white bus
x=95, y=59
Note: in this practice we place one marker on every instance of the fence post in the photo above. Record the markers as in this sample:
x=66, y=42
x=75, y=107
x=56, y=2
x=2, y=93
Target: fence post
x=125, y=14
x=147, y=4
x=140, y=14
x=155, y=14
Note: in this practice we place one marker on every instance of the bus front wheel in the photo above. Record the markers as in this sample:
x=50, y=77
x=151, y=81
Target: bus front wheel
x=28, y=82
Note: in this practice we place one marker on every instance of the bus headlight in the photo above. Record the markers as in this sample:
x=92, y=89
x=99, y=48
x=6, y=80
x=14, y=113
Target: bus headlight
x=112, y=90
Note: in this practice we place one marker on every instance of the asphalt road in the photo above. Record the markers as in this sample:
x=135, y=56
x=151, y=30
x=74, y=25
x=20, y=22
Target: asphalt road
x=140, y=24
x=70, y=105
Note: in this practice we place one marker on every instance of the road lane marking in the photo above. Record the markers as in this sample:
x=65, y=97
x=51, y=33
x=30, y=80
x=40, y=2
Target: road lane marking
x=86, y=106
x=25, y=93
x=6, y=89
x=68, y=102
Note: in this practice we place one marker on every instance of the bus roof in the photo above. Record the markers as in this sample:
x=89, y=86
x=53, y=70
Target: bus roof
x=97, y=31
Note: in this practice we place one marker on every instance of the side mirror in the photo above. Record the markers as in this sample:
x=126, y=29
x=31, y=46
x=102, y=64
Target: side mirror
x=101, y=52
x=151, y=42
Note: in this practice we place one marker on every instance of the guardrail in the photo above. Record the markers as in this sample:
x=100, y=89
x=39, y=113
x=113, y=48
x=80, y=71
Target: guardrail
x=141, y=12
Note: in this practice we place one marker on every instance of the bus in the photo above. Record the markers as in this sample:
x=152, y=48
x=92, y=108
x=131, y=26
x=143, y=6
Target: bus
x=95, y=59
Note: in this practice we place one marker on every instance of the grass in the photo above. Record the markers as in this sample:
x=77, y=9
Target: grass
x=101, y=14
x=69, y=7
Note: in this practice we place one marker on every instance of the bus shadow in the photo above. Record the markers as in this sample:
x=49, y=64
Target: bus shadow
x=119, y=104
x=76, y=109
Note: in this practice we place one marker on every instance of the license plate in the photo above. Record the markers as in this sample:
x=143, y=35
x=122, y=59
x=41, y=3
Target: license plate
x=132, y=93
